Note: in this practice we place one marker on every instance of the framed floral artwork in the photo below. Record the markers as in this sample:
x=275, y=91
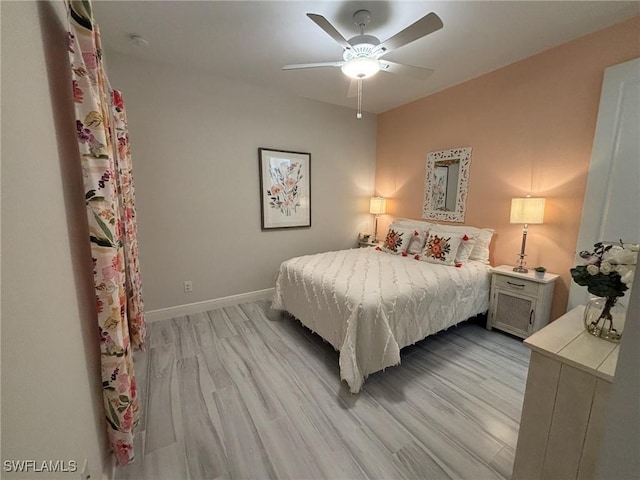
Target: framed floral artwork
x=285, y=189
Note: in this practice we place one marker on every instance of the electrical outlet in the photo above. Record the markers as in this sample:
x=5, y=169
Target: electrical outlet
x=84, y=473
x=188, y=286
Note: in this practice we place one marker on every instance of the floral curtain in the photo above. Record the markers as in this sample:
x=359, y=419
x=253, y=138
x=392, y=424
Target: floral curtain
x=101, y=127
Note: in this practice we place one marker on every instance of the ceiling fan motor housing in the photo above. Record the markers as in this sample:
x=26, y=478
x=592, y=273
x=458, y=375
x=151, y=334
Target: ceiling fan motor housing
x=362, y=46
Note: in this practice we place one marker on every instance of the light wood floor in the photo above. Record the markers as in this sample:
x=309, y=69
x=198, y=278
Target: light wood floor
x=245, y=392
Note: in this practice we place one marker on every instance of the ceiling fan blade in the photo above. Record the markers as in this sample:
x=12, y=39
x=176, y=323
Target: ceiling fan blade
x=299, y=66
x=353, y=88
x=419, y=73
x=324, y=24
x=426, y=25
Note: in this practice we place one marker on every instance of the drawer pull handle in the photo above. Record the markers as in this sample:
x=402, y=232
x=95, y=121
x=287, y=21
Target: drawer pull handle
x=531, y=317
x=517, y=285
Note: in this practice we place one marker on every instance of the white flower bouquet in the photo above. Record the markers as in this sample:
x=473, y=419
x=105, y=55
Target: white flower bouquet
x=609, y=270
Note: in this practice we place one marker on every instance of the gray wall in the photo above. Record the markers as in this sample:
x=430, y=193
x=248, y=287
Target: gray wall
x=51, y=388
x=194, y=140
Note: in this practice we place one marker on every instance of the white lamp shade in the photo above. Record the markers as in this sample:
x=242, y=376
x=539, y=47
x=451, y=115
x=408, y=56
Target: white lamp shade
x=378, y=205
x=361, y=67
x=528, y=210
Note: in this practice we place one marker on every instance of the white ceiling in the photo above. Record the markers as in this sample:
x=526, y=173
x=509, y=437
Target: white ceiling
x=251, y=41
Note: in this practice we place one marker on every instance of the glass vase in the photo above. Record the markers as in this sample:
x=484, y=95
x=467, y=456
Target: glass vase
x=604, y=317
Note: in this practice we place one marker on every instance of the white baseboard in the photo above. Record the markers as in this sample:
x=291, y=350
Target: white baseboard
x=206, y=305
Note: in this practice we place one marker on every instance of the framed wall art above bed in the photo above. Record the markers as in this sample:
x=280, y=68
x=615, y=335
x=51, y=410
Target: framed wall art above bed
x=285, y=189
x=445, y=185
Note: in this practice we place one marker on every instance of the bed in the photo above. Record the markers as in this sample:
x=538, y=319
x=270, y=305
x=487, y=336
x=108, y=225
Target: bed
x=369, y=303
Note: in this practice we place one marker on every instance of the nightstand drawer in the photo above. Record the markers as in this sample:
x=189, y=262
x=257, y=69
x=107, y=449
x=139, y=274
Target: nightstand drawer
x=517, y=284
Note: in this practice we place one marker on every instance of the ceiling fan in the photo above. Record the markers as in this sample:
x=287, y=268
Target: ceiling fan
x=362, y=53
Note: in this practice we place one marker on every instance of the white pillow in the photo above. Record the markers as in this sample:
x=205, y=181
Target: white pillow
x=418, y=225
x=465, y=248
x=417, y=242
x=480, y=250
x=397, y=239
x=441, y=247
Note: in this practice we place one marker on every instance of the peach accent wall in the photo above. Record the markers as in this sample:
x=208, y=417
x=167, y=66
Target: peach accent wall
x=531, y=126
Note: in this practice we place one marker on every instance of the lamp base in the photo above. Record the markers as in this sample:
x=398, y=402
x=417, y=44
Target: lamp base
x=521, y=262
x=375, y=231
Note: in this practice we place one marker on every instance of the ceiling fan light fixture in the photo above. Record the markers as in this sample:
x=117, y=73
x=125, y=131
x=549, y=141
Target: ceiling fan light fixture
x=361, y=67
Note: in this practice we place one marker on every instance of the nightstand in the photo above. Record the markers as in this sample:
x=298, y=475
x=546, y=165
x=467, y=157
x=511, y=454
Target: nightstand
x=520, y=303
x=369, y=243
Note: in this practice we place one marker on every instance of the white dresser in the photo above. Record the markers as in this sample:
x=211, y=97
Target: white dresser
x=568, y=386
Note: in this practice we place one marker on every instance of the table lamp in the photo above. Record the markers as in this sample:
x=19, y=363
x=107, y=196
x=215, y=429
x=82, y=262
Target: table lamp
x=377, y=207
x=527, y=210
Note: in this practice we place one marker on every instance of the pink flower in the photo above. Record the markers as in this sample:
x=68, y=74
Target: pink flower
x=119, y=228
x=123, y=148
x=109, y=273
x=78, y=94
x=123, y=451
x=127, y=420
x=105, y=337
x=276, y=189
x=417, y=257
x=90, y=60
x=123, y=383
x=99, y=304
x=404, y=254
x=291, y=182
x=117, y=99
x=134, y=388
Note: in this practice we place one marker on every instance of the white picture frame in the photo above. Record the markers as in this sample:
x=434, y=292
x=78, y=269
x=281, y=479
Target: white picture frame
x=446, y=184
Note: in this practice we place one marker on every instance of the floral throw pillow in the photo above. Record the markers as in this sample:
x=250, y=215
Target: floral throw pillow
x=397, y=240
x=416, y=240
x=441, y=247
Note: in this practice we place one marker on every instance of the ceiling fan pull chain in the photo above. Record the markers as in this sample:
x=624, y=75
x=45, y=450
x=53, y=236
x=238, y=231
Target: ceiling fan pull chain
x=359, y=114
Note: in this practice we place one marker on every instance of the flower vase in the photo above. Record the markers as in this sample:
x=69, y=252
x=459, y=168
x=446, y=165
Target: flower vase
x=604, y=317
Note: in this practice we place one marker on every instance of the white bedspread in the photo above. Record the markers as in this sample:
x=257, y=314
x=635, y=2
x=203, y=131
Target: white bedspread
x=369, y=304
